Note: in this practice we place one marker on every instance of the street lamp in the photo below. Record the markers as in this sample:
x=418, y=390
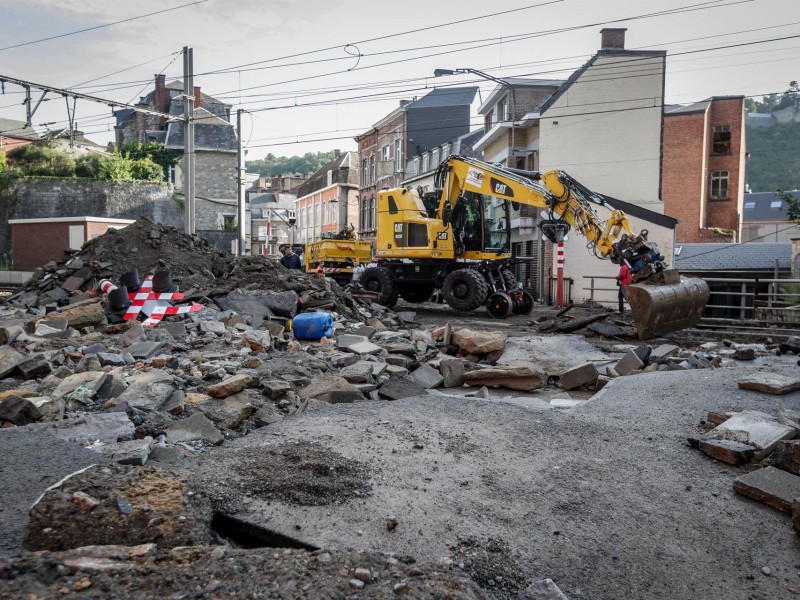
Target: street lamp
x=505, y=84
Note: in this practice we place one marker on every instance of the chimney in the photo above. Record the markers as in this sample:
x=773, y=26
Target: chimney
x=612, y=39
x=197, y=96
x=336, y=154
x=161, y=97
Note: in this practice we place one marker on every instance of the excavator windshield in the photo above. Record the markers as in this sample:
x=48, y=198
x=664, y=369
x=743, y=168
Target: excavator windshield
x=483, y=223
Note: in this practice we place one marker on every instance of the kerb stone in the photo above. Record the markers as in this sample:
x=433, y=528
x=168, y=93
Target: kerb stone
x=576, y=377
x=773, y=487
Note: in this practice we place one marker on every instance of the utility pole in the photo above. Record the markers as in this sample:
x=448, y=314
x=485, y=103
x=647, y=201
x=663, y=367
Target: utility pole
x=240, y=183
x=188, y=138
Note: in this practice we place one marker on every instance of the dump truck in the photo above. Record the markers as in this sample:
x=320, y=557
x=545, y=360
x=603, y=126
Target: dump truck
x=338, y=255
x=457, y=239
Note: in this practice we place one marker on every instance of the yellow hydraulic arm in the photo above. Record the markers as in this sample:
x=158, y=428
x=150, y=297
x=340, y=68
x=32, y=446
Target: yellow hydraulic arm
x=566, y=200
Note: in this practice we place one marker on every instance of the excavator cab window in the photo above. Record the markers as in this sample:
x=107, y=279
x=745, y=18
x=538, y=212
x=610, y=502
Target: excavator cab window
x=481, y=222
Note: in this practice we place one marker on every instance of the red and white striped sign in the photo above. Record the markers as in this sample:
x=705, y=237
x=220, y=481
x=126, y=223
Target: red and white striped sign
x=154, y=305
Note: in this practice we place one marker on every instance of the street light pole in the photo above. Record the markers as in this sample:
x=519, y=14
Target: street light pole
x=505, y=84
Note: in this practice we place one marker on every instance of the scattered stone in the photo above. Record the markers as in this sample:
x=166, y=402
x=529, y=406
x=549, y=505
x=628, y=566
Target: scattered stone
x=9, y=359
x=82, y=314
x=132, y=452
x=787, y=456
x=229, y=386
x=346, y=396
x=773, y=487
x=231, y=411
x=400, y=387
x=478, y=342
x=744, y=354
x=544, y=589
x=452, y=373
x=585, y=374
x=630, y=363
x=771, y=383
x=196, y=427
x=663, y=351
x=146, y=396
x=756, y=429
x=145, y=350
x=360, y=372
x=215, y=327
x=34, y=368
x=19, y=411
x=427, y=377
x=107, y=427
x=728, y=451
x=510, y=377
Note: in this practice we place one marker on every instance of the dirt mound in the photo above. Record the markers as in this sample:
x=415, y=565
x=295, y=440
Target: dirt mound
x=197, y=267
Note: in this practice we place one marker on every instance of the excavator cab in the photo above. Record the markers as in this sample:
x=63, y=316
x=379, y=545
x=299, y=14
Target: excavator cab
x=481, y=225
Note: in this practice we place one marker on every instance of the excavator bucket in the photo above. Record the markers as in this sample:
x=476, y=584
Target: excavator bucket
x=666, y=302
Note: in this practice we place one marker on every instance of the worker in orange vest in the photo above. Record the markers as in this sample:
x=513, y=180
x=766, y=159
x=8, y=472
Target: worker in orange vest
x=321, y=269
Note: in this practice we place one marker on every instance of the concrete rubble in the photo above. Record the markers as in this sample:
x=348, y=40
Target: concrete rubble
x=145, y=398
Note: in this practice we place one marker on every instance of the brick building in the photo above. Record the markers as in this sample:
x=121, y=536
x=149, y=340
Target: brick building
x=412, y=129
x=703, y=169
x=15, y=133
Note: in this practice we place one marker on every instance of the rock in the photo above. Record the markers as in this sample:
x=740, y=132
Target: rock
x=145, y=350
x=544, y=589
x=283, y=304
x=108, y=427
x=478, y=342
x=82, y=314
x=427, y=377
x=88, y=385
x=360, y=372
x=117, y=504
x=630, y=363
x=169, y=455
x=215, y=327
x=605, y=329
x=400, y=387
x=343, y=359
x=19, y=411
x=258, y=340
x=565, y=402
x=452, y=373
x=34, y=368
x=196, y=427
x=175, y=403
x=146, y=396
x=132, y=452
x=663, y=351
x=756, y=429
x=510, y=377
x=9, y=359
x=320, y=389
x=51, y=409
x=728, y=451
x=134, y=334
x=276, y=388
x=231, y=411
x=771, y=383
x=787, y=456
x=585, y=374
x=770, y=486
x=744, y=354
x=229, y=386
x=346, y=396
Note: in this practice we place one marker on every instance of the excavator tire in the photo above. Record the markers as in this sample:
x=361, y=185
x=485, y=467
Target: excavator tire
x=510, y=279
x=666, y=302
x=419, y=293
x=465, y=289
x=379, y=279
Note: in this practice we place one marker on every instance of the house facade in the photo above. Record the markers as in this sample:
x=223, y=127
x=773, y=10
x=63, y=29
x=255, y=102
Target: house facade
x=216, y=146
x=764, y=218
x=15, y=133
x=703, y=165
x=413, y=129
x=328, y=201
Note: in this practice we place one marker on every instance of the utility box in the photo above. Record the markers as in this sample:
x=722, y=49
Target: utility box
x=35, y=242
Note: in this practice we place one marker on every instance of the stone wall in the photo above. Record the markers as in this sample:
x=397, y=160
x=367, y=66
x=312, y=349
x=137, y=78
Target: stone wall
x=33, y=198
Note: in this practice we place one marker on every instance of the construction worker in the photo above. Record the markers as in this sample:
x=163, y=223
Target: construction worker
x=290, y=260
x=623, y=278
x=321, y=269
x=358, y=269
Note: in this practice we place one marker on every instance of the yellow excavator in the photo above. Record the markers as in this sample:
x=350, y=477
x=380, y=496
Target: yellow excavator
x=457, y=239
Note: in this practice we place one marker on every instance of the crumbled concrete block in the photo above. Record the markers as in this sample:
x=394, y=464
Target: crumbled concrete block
x=400, y=387
x=132, y=452
x=452, y=373
x=728, y=451
x=663, y=351
x=629, y=363
x=196, y=427
x=576, y=377
x=773, y=487
x=427, y=377
x=756, y=429
x=771, y=383
x=787, y=456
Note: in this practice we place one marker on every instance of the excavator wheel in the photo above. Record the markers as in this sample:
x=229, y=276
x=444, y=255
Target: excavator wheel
x=465, y=289
x=524, y=305
x=379, y=279
x=666, y=302
x=499, y=305
x=510, y=279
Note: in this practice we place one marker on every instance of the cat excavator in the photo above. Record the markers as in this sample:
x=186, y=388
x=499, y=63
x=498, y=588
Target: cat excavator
x=457, y=239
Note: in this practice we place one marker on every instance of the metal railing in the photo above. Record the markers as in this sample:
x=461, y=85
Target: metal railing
x=771, y=300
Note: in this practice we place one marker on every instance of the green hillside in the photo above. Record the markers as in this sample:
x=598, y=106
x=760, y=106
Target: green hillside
x=774, y=161
x=288, y=165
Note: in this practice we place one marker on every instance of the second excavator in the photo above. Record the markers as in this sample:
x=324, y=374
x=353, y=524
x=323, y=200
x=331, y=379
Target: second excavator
x=458, y=239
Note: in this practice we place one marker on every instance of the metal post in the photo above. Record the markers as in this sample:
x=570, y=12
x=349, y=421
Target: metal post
x=240, y=183
x=188, y=139
x=560, y=283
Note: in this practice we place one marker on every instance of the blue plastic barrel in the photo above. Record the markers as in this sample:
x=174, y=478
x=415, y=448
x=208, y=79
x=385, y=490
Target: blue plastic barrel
x=312, y=326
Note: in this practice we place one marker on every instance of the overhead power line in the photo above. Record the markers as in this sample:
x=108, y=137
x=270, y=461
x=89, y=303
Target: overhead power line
x=61, y=35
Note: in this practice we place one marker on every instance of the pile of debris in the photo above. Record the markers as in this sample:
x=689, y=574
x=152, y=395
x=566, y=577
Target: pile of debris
x=202, y=271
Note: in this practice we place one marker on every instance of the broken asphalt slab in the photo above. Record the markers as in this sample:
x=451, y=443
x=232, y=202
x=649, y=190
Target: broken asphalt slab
x=610, y=486
x=552, y=355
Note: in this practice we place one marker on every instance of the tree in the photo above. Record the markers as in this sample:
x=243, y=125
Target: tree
x=41, y=160
x=792, y=205
x=772, y=102
x=155, y=151
x=282, y=165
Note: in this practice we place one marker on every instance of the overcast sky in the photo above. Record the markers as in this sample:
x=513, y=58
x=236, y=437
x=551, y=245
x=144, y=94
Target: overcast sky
x=312, y=74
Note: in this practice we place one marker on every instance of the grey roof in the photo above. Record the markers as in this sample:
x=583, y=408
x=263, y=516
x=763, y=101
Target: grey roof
x=17, y=129
x=696, y=107
x=210, y=133
x=450, y=96
x=733, y=257
x=762, y=209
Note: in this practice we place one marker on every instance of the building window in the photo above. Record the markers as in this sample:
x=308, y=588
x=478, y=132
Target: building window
x=434, y=157
x=364, y=178
x=445, y=152
x=398, y=156
x=372, y=169
x=487, y=122
x=500, y=114
x=722, y=139
x=719, y=185
x=776, y=204
x=425, y=162
x=749, y=205
x=385, y=156
x=372, y=213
